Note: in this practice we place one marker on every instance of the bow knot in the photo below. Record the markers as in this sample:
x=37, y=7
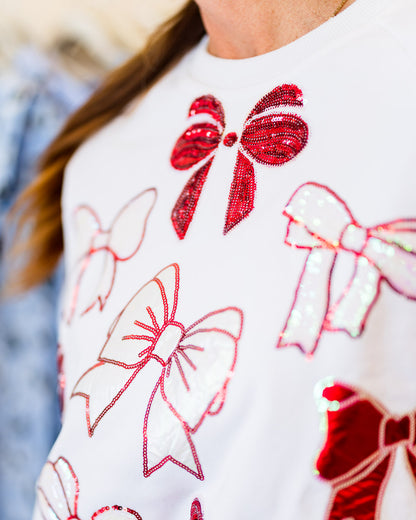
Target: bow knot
x=354, y=238
x=399, y=431
x=100, y=241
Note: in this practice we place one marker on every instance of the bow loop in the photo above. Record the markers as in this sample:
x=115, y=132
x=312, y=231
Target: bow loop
x=283, y=95
x=348, y=448
x=401, y=233
x=194, y=145
x=320, y=211
x=274, y=139
x=298, y=236
x=208, y=105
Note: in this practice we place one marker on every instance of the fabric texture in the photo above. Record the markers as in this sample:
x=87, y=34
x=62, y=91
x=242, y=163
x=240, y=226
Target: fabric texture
x=235, y=244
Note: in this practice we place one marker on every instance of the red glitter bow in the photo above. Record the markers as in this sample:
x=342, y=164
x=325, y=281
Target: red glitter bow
x=268, y=138
x=359, y=452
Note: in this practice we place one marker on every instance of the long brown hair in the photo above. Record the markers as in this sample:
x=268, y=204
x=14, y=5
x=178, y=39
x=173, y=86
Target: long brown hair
x=38, y=239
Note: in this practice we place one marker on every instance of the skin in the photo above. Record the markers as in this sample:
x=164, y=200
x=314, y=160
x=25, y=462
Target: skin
x=246, y=28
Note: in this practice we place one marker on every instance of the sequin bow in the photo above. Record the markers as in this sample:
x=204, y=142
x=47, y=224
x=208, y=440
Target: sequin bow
x=58, y=495
x=321, y=223
x=99, y=250
x=268, y=138
x=358, y=455
x=196, y=364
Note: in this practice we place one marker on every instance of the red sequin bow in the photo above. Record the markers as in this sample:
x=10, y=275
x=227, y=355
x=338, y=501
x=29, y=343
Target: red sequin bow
x=358, y=455
x=268, y=138
x=321, y=223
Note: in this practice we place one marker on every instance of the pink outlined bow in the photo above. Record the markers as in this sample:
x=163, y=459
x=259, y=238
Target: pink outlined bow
x=268, y=138
x=58, y=494
x=196, y=365
x=321, y=223
x=100, y=250
x=359, y=452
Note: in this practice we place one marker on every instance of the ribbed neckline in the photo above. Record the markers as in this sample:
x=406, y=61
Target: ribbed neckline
x=228, y=73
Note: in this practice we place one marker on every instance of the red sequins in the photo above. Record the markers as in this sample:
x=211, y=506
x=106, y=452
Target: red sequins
x=196, y=144
x=230, y=139
x=268, y=138
x=185, y=206
x=195, y=363
x=358, y=454
x=274, y=139
x=282, y=96
x=99, y=251
x=243, y=188
x=321, y=223
x=196, y=510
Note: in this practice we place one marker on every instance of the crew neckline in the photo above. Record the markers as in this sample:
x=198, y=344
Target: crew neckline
x=222, y=72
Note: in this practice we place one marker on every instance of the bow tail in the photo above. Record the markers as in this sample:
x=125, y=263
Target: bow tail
x=243, y=188
x=167, y=438
x=306, y=319
x=350, y=312
x=360, y=500
x=185, y=206
x=104, y=285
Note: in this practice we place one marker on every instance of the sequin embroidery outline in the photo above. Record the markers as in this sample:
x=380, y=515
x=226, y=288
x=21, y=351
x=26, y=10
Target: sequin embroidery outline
x=379, y=253
x=130, y=221
x=147, y=330
x=62, y=495
x=358, y=462
x=196, y=510
x=268, y=138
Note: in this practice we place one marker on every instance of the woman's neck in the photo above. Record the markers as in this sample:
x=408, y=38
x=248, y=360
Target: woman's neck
x=245, y=28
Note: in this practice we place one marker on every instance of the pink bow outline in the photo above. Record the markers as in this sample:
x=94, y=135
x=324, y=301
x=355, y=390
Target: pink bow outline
x=196, y=365
x=100, y=250
x=321, y=223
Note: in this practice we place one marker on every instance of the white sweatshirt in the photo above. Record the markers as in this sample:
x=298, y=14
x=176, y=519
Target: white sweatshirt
x=239, y=320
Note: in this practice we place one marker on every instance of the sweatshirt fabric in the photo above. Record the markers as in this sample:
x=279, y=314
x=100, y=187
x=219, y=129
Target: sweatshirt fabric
x=239, y=314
